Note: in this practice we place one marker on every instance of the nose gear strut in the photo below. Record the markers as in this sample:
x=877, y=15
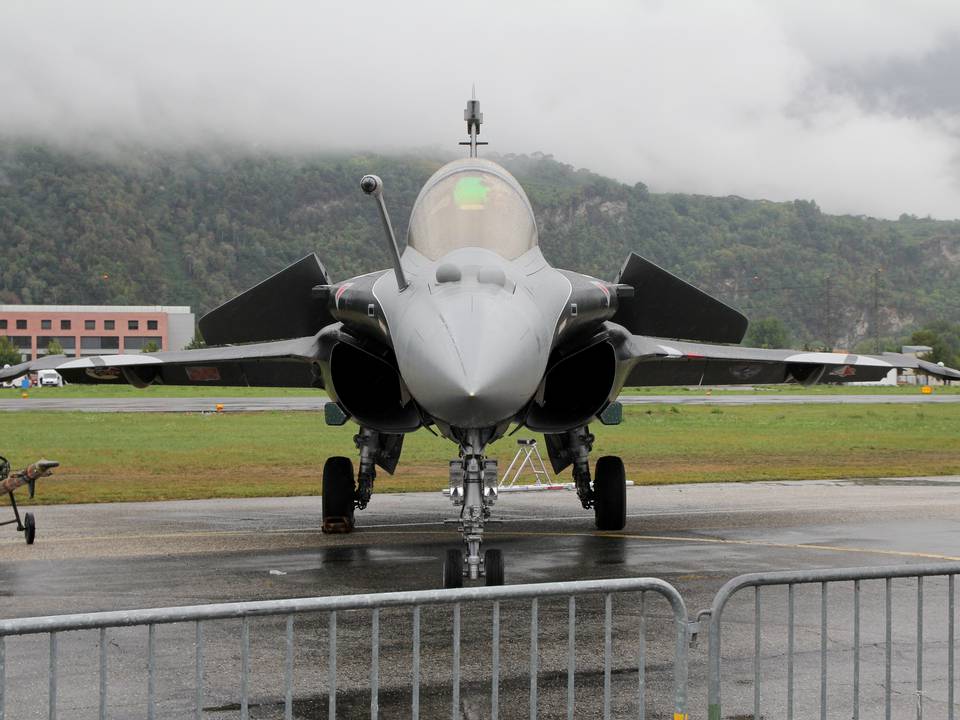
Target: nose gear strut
x=473, y=487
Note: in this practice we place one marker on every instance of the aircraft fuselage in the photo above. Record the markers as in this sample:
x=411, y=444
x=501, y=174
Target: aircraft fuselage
x=473, y=333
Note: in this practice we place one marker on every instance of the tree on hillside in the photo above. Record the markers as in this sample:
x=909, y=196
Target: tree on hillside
x=9, y=354
x=887, y=344
x=197, y=228
x=943, y=338
x=54, y=348
x=197, y=342
x=767, y=333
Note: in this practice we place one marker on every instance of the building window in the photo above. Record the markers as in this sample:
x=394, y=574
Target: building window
x=109, y=324
x=151, y=324
x=89, y=324
x=21, y=324
x=3, y=324
x=45, y=324
x=64, y=324
x=67, y=342
x=133, y=324
x=97, y=342
x=136, y=342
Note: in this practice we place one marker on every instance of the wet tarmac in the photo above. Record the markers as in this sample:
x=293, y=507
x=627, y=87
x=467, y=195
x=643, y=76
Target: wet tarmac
x=102, y=557
x=286, y=404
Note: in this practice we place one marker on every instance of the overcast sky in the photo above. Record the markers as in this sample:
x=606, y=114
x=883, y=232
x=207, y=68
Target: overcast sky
x=855, y=104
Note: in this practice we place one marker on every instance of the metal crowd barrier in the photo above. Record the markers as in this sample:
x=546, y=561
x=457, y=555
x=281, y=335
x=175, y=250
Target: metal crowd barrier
x=53, y=626
x=824, y=578
x=246, y=611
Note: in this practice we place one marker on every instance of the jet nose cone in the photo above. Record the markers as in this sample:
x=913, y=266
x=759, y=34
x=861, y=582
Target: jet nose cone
x=474, y=361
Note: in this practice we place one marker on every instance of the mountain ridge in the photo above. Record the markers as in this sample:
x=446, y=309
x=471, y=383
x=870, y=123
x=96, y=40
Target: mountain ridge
x=147, y=226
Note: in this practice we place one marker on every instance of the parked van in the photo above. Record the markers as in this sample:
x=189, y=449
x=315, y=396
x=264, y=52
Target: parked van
x=49, y=378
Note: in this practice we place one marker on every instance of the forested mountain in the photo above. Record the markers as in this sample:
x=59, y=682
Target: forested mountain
x=152, y=227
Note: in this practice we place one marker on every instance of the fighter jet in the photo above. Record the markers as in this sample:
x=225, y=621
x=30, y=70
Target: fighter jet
x=470, y=333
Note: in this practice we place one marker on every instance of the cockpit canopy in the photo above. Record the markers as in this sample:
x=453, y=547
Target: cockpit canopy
x=472, y=203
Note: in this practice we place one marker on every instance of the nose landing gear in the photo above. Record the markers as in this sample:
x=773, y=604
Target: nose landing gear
x=473, y=487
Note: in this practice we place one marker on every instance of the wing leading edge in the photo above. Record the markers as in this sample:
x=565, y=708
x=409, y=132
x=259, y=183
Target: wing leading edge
x=285, y=363
x=656, y=361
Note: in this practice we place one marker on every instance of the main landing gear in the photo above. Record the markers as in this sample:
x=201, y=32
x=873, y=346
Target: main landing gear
x=473, y=488
x=341, y=494
x=610, y=494
x=338, y=494
x=607, y=494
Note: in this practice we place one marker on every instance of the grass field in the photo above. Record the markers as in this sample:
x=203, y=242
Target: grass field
x=112, y=457
x=163, y=391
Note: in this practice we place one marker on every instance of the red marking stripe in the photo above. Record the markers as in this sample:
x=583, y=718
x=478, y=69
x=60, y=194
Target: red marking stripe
x=340, y=291
x=203, y=374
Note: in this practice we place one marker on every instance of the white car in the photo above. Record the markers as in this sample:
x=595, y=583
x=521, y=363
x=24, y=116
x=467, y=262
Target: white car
x=49, y=378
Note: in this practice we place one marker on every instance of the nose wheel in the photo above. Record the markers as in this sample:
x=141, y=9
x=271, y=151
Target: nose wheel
x=454, y=568
x=473, y=488
x=493, y=567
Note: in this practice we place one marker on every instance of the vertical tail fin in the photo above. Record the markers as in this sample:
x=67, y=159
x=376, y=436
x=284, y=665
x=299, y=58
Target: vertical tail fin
x=279, y=308
x=665, y=306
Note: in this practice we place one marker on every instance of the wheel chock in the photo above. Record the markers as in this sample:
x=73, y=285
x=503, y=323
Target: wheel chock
x=337, y=525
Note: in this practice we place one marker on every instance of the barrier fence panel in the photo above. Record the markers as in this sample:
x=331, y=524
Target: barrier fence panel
x=853, y=642
x=575, y=649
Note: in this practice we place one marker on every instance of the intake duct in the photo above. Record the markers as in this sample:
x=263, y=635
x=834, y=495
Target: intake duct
x=576, y=388
x=368, y=387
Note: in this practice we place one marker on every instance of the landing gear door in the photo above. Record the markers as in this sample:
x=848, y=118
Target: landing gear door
x=388, y=454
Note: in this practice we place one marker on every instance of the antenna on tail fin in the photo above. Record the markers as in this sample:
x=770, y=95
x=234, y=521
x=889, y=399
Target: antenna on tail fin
x=474, y=119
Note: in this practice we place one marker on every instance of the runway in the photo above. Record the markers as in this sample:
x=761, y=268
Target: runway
x=313, y=404
x=98, y=557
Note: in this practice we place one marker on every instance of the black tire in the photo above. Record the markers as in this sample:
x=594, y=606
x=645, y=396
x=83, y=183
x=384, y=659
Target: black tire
x=493, y=567
x=610, y=493
x=453, y=569
x=29, y=528
x=338, y=491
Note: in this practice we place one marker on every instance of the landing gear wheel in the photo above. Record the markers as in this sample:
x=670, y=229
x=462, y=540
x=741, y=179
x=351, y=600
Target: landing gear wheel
x=29, y=528
x=453, y=569
x=610, y=493
x=493, y=567
x=338, y=491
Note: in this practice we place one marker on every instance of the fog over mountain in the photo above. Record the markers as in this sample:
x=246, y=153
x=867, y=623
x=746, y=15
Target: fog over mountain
x=852, y=104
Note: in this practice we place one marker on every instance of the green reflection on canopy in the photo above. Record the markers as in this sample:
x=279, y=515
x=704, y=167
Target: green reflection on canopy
x=470, y=193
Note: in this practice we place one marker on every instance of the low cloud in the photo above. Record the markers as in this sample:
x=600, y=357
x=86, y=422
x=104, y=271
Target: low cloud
x=850, y=104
